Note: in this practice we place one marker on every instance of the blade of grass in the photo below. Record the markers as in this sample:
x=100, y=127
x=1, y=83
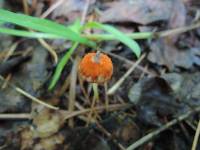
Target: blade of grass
x=43, y=25
x=133, y=45
x=106, y=37
x=30, y=34
x=61, y=65
x=76, y=27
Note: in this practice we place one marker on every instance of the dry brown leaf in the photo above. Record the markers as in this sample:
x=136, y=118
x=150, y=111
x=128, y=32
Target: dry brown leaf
x=49, y=143
x=141, y=11
x=71, y=9
x=46, y=122
x=164, y=52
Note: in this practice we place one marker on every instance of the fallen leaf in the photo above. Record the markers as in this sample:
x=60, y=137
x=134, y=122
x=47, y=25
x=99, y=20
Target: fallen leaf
x=11, y=101
x=46, y=122
x=164, y=52
x=33, y=74
x=71, y=9
x=140, y=11
x=93, y=141
x=50, y=143
x=171, y=94
x=154, y=100
x=178, y=15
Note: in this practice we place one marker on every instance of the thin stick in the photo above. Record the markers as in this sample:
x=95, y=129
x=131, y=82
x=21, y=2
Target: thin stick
x=24, y=93
x=177, y=30
x=49, y=49
x=144, y=35
x=15, y=116
x=72, y=90
x=26, y=8
x=151, y=135
x=52, y=8
x=87, y=99
x=7, y=79
x=11, y=51
x=102, y=129
x=131, y=63
x=41, y=41
x=196, y=137
x=113, y=89
x=83, y=18
x=112, y=107
x=106, y=96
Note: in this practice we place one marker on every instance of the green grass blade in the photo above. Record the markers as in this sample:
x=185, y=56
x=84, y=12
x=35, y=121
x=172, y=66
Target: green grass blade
x=29, y=34
x=42, y=25
x=1, y=22
x=76, y=26
x=61, y=66
x=133, y=45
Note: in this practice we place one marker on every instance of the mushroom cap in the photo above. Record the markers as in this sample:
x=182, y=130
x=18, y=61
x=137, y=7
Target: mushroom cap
x=96, y=71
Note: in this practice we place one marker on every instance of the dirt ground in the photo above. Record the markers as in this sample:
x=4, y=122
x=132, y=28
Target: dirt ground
x=150, y=103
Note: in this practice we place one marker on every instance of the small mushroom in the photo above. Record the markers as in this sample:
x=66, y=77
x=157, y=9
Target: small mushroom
x=96, y=68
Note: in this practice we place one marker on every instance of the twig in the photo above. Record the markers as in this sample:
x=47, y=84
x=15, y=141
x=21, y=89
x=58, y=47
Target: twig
x=196, y=137
x=106, y=96
x=131, y=63
x=66, y=114
x=144, y=35
x=83, y=18
x=98, y=109
x=113, y=89
x=11, y=51
x=151, y=135
x=177, y=30
x=64, y=87
x=52, y=8
x=102, y=129
x=49, y=49
x=7, y=79
x=26, y=8
x=34, y=98
x=15, y=116
x=87, y=99
x=41, y=41
x=72, y=90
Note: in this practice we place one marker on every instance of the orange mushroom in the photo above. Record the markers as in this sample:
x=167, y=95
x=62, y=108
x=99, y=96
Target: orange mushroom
x=96, y=68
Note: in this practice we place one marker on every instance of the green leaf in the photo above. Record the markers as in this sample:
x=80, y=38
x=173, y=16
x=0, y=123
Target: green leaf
x=42, y=25
x=1, y=22
x=133, y=45
x=61, y=66
x=76, y=26
x=29, y=34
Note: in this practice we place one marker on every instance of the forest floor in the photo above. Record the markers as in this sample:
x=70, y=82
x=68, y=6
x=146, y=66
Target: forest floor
x=150, y=103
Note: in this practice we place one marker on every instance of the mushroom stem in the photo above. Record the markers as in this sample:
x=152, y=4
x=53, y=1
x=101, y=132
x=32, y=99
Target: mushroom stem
x=96, y=91
x=95, y=99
